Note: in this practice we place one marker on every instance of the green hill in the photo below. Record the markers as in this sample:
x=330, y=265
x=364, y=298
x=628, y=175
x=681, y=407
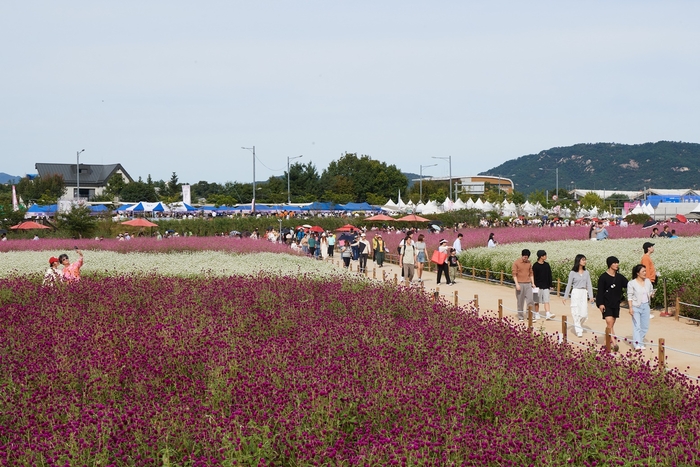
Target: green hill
x=606, y=166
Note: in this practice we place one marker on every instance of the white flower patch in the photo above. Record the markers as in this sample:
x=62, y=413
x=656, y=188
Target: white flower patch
x=215, y=263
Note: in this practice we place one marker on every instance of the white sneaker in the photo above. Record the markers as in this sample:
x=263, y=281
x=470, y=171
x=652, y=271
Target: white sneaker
x=549, y=316
x=579, y=334
x=536, y=317
x=651, y=316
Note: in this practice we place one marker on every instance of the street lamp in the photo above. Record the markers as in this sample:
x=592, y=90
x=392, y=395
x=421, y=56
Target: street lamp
x=421, y=179
x=77, y=173
x=557, y=172
x=289, y=193
x=252, y=203
x=449, y=159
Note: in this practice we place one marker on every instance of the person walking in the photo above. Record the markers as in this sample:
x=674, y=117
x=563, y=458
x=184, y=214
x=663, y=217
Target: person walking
x=364, y=249
x=379, y=250
x=579, y=284
x=407, y=259
x=609, y=296
x=457, y=244
x=542, y=275
x=639, y=294
x=422, y=256
x=652, y=274
x=323, y=245
x=346, y=253
x=71, y=271
x=524, y=282
x=443, y=268
x=331, y=244
x=453, y=264
x=492, y=241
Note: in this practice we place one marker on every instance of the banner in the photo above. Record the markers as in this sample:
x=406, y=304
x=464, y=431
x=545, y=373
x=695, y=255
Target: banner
x=186, y=196
x=15, y=204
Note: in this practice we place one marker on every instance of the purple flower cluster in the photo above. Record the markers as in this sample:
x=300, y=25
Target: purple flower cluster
x=298, y=371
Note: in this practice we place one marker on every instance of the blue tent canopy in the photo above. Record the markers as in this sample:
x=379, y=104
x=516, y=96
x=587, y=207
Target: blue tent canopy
x=123, y=207
x=98, y=208
x=318, y=206
x=357, y=207
x=45, y=209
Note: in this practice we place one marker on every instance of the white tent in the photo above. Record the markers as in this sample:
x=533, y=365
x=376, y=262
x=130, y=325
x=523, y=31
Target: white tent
x=470, y=204
x=390, y=206
x=479, y=205
x=448, y=205
x=459, y=204
x=648, y=209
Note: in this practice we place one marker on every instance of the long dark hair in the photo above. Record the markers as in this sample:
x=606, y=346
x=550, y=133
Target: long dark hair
x=590, y=231
x=577, y=262
x=490, y=236
x=636, y=269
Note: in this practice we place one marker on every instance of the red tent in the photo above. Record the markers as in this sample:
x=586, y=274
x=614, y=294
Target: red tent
x=347, y=228
x=379, y=217
x=140, y=223
x=29, y=225
x=413, y=218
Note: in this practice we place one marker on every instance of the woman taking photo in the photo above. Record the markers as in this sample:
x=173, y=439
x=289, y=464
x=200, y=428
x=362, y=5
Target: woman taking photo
x=421, y=257
x=639, y=293
x=579, y=284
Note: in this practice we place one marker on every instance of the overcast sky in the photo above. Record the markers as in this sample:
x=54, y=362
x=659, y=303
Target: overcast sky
x=174, y=86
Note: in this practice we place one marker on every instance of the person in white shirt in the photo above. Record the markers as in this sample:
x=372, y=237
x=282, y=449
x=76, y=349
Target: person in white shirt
x=457, y=245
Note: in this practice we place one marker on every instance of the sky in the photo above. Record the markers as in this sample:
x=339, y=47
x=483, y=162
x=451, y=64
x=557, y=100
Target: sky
x=175, y=86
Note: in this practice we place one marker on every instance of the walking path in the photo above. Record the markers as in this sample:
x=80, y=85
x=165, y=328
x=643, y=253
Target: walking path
x=682, y=340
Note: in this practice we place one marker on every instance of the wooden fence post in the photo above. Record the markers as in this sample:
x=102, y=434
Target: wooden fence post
x=500, y=309
x=563, y=329
x=677, y=312
x=396, y=279
x=608, y=339
x=476, y=300
x=662, y=352
x=374, y=273
x=558, y=288
x=436, y=295
x=473, y=272
x=529, y=317
x=487, y=275
x=456, y=298
x=665, y=296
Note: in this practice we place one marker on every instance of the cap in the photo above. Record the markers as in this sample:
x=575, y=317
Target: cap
x=363, y=234
x=647, y=245
x=612, y=260
x=53, y=259
x=541, y=253
x=442, y=240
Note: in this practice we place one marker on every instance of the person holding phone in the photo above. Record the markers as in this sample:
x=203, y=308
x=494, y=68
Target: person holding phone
x=71, y=271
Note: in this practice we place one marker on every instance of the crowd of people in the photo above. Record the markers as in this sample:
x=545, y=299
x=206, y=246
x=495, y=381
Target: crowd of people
x=533, y=283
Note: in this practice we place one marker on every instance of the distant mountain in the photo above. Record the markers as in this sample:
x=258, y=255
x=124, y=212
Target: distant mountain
x=606, y=166
x=6, y=178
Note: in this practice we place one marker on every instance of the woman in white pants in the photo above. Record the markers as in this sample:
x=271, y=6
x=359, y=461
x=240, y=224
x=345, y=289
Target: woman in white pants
x=581, y=289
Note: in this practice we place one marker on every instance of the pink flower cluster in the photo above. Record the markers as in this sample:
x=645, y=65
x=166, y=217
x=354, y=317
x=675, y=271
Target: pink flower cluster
x=297, y=371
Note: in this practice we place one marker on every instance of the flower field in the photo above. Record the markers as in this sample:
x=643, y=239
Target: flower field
x=671, y=258
x=263, y=370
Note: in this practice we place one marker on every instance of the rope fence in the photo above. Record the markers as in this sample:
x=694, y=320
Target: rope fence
x=528, y=316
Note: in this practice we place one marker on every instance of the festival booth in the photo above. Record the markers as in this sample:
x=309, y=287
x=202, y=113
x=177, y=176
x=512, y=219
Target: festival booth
x=38, y=210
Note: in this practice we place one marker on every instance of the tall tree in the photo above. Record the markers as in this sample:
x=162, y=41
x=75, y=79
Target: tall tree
x=304, y=182
x=365, y=176
x=46, y=190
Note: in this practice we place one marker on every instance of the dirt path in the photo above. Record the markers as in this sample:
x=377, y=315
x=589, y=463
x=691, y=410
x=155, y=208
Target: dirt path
x=682, y=340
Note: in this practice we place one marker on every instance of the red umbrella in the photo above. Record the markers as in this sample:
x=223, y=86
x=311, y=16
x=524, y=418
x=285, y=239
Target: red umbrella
x=681, y=218
x=29, y=225
x=317, y=229
x=413, y=218
x=379, y=217
x=140, y=223
x=346, y=228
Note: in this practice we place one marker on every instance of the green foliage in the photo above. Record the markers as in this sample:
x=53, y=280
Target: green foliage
x=591, y=200
x=115, y=185
x=358, y=176
x=78, y=221
x=47, y=189
x=607, y=166
x=639, y=219
x=138, y=191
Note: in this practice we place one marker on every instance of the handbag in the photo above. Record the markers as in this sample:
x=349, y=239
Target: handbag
x=438, y=257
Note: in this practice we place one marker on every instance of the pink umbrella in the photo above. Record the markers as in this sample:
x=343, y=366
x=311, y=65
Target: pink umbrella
x=380, y=217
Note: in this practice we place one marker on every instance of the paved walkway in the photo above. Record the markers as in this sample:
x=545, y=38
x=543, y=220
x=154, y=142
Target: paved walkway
x=682, y=340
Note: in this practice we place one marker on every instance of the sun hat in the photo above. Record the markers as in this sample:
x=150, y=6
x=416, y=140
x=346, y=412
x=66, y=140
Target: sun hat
x=442, y=240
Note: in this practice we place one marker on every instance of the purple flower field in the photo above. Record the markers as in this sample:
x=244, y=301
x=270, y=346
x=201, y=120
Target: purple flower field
x=299, y=371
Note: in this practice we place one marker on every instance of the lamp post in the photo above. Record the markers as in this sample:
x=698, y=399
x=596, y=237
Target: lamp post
x=557, y=172
x=449, y=159
x=289, y=192
x=252, y=203
x=421, y=179
x=77, y=173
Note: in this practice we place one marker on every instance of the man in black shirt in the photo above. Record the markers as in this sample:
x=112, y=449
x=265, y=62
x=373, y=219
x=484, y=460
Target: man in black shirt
x=609, y=296
x=542, y=274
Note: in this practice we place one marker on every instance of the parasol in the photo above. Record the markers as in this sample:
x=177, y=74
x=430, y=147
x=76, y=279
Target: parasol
x=413, y=218
x=379, y=217
x=29, y=225
x=139, y=223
